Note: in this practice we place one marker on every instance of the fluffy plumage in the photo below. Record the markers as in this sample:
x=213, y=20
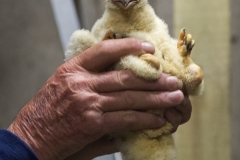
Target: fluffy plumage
x=137, y=19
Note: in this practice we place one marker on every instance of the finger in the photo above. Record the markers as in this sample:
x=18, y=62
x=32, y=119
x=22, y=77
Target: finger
x=130, y=121
x=108, y=52
x=126, y=80
x=138, y=100
x=185, y=108
x=174, y=117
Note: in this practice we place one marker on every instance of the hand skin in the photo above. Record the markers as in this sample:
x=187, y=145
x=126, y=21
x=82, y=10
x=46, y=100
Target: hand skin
x=177, y=115
x=80, y=103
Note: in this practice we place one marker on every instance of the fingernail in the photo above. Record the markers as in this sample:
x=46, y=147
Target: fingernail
x=176, y=96
x=174, y=83
x=148, y=47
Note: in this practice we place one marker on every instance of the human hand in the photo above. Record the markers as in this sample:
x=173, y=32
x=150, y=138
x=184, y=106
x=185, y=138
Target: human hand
x=180, y=114
x=80, y=103
x=176, y=116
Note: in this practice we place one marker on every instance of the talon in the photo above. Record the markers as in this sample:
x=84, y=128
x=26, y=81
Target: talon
x=114, y=36
x=189, y=49
x=189, y=46
x=185, y=42
x=184, y=30
x=111, y=35
x=151, y=60
x=192, y=45
x=124, y=36
x=108, y=35
x=181, y=39
x=118, y=36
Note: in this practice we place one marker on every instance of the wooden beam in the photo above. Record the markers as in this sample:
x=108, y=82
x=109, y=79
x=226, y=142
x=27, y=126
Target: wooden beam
x=235, y=78
x=207, y=135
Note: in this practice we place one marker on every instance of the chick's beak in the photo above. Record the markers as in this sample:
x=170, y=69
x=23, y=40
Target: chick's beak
x=126, y=3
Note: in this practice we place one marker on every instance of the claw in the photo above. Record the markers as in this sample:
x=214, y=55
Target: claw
x=184, y=30
x=191, y=46
x=182, y=34
x=123, y=36
x=108, y=35
x=111, y=35
x=114, y=36
x=185, y=43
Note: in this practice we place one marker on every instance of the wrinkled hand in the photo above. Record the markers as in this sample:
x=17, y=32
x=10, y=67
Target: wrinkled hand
x=176, y=116
x=80, y=103
x=179, y=114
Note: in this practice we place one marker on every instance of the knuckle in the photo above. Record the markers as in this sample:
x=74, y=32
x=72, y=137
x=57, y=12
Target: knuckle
x=120, y=78
x=97, y=103
x=130, y=119
x=75, y=83
x=133, y=43
x=103, y=45
x=161, y=99
x=128, y=99
x=124, y=78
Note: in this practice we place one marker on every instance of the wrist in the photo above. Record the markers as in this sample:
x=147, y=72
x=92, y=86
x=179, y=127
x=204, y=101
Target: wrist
x=32, y=125
x=34, y=140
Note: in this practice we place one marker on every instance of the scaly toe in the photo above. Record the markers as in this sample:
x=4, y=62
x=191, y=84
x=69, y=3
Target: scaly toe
x=192, y=45
x=151, y=60
x=108, y=35
x=119, y=36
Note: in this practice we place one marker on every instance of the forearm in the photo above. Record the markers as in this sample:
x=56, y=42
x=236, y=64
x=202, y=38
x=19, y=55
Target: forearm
x=38, y=120
x=31, y=126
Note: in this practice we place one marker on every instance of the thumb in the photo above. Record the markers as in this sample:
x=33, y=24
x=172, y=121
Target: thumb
x=108, y=52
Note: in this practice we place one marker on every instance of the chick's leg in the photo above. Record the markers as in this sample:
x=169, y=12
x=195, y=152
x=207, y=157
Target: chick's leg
x=185, y=45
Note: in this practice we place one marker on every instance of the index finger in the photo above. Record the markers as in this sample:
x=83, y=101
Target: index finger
x=126, y=80
x=108, y=52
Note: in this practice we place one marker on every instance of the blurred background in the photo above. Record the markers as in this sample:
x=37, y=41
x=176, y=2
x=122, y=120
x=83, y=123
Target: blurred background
x=34, y=34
